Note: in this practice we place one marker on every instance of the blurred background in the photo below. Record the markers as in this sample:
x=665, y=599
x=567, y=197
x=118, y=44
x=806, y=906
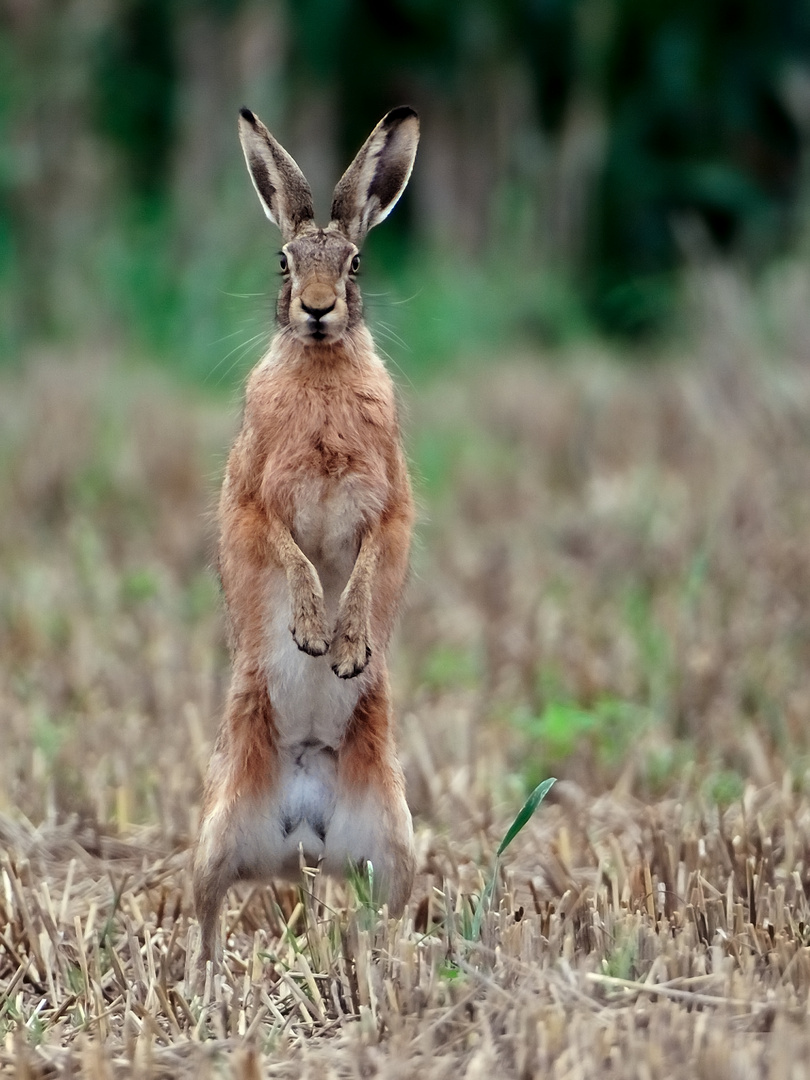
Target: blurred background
x=575, y=154
x=595, y=297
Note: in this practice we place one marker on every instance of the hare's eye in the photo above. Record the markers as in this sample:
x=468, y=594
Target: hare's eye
x=282, y=262
x=355, y=264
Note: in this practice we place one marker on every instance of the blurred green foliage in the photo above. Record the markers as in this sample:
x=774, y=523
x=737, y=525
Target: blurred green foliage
x=574, y=152
x=603, y=732
x=135, y=82
x=724, y=787
x=699, y=130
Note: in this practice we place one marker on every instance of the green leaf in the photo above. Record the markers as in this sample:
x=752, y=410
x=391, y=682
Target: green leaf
x=526, y=811
x=523, y=816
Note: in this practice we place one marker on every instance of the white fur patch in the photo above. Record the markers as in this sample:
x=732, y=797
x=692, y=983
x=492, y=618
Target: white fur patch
x=310, y=703
x=328, y=516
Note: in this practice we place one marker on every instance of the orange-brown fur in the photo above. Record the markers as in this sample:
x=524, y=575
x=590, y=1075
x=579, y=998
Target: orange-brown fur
x=315, y=523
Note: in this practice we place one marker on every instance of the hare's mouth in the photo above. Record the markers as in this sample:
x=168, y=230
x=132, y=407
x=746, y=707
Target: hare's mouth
x=316, y=335
x=322, y=330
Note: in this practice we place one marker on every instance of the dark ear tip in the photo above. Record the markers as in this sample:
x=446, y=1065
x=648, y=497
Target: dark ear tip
x=246, y=114
x=401, y=112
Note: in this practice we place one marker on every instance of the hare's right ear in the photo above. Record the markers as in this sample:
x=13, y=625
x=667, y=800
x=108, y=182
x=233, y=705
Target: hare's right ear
x=369, y=189
x=280, y=184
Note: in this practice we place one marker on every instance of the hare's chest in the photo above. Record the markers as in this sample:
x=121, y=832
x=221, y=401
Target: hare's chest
x=329, y=518
x=326, y=472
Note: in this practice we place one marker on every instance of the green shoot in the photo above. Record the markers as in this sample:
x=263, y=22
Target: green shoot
x=521, y=819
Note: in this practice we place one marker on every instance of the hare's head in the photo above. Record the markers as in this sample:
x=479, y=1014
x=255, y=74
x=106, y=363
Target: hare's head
x=320, y=299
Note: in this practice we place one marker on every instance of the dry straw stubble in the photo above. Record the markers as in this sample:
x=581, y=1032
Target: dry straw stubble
x=591, y=536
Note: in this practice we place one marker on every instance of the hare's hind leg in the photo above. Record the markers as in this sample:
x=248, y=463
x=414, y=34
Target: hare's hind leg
x=235, y=841
x=372, y=822
x=211, y=881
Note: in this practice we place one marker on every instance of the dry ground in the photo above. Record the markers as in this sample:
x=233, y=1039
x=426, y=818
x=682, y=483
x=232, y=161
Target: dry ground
x=612, y=584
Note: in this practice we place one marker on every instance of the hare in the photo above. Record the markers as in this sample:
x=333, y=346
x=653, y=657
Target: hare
x=315, y=524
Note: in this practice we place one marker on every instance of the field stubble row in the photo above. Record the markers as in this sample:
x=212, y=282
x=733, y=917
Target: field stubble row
x=611, y=583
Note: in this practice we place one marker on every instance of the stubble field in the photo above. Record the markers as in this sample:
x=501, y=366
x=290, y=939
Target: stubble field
x=611, y=585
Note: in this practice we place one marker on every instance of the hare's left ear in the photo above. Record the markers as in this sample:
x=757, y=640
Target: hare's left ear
x=280, y=184
x=369, y=189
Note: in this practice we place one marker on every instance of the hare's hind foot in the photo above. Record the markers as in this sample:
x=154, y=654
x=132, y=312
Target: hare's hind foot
x=371, y=822
x=372, y=830
x=211, y=881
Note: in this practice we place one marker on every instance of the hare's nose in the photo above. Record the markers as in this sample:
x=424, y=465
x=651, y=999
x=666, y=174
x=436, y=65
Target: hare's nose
x=317, y=312
x=317, y=301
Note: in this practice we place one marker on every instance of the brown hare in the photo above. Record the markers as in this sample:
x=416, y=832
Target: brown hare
x=315, y=524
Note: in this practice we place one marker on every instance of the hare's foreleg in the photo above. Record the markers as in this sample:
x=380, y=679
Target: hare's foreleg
x=308, y=625
x=254, y=538
x=308, y=612
x=369, y=602
x=351, y=643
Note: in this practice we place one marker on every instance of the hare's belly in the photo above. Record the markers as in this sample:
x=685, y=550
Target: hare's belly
x=309, y=701
x=307, y=793
x=311, y=705
x=308, y=814
x=294, y=817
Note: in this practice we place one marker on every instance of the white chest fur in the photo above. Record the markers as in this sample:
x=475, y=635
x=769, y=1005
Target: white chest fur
x=326, y=528
x=329, y=518
x=309, y=702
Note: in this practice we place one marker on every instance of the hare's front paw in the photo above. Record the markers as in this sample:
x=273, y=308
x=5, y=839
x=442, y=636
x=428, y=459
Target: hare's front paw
x=309, y=627
x=312, y=642
x=350, y=657
x=351, y=649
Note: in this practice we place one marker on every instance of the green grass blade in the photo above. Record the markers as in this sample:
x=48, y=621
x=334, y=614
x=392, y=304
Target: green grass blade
x=526, y=812
x=483, y=903
x=522, y=817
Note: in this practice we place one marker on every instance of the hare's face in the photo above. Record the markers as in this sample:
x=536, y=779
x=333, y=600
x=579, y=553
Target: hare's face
x=319, y=299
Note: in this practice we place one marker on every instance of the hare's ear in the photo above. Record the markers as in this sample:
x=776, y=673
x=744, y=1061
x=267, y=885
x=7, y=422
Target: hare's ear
x=369, y=189
x=279, y=183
